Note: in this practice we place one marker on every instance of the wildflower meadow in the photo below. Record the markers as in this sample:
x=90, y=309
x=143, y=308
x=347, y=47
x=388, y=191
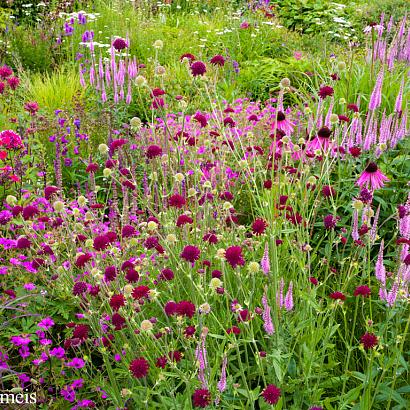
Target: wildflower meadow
x=204, y=204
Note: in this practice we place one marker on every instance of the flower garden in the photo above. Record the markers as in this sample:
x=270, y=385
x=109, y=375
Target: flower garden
x=204, y=204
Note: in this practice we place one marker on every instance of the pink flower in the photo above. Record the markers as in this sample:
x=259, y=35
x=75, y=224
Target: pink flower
x=372, y=177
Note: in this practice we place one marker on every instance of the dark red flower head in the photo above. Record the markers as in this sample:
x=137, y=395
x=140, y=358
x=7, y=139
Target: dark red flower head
x=371, y=168
x=176, y=201
x=117, y=301
x=362, y=291
x=119, y=44
x=198, y=68
x=324, y=132
x=139, y=368
x=369, y=340
x=190, y=253
x=259, y=226
x=217, y=60
x=234, y=256
x=153, y=151
x=271, y=394
x=325, y=91
x=201, y=398
x=185, y=308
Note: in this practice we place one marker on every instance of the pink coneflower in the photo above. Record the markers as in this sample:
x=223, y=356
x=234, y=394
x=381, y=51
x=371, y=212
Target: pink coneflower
x=139, y=368
x=325, y=91
x=369, y=340
x=201, y=398
x=217, y=60
x=198, y=68
x=321, y=141
x=234, y=256
x=372, y=177
x=190, y=253
x=283, y=124
x=271, y=394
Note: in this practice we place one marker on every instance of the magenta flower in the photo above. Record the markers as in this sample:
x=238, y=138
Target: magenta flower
x=46, y=323
x=372, y=177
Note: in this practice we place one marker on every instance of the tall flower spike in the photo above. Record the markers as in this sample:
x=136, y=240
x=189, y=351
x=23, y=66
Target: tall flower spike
x=266, y=316
x=279, y=295
x=222, y=381
x=399, y=99
x=380, y=271
x=201, y=356
x=376, y=97
x=265, y=264
x=289, y=298
x=373, y=231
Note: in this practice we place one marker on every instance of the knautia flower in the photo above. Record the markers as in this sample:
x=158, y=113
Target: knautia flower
x=369, y=340
x=271, y=394
x=372, y=177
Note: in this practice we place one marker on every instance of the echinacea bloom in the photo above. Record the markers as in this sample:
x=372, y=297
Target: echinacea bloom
x=369, y=340
x=372, y=177
x=283, y=124
x=201, y=398
x=271, y=394
x=139, y=368
x=322, y=140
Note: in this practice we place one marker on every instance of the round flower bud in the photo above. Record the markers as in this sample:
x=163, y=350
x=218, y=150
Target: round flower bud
x=227, y=206
x=89, y=216
x=140, y=81
x=160, y=70
x=171, y=238
x=342, y=101
x=285, y=82
x=311, y=180
x=207, y=184
x=58, y=206
x=76, y=212
x=334, y=118
x=128, y=289
x=89, y=243
x=179, y=177
x=158, y=44
x=103, y=148
x=11, y=200
x=301, y=141
x=136, y=123
x=82, y=200
x=107, y=172
x=253, y=267
x=215, y=283
x=205, y=308
x=152, y=226
x=341, y=66
x=308, y=110
x=146, y=326
x=191, y=192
